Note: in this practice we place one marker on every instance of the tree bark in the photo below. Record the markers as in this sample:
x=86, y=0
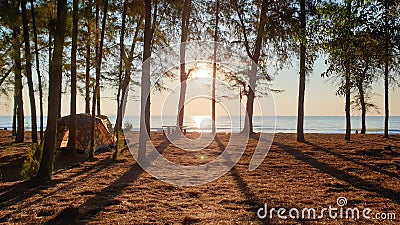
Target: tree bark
x=14, y=120
x=19, y=136
x=361, y=92
x=98, y=103
x=386, y=130
x=302, y=78
x=348, y=102
x=182, y=57
x=124, y=84
x=248, y=123
x=145, y=86
x=55, y=78
x=96, y=92
x=28, y=70
x=88, y=58
x=37, y=68
x=363, y=106
x=120, y=70
x=71, y=147
x=213, y=109
x=348, y=82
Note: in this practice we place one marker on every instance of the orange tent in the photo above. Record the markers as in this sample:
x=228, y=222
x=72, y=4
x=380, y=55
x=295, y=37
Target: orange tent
x=104, y=133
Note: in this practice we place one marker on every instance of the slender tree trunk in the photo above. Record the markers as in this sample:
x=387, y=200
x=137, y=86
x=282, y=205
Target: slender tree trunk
x=98, y=105
x=248, y=124
x=145, y=86
x=55, y=78
x=98, y=66
x=386, y=72
x=360, y=86
x=124, y=86
x=14, y=120
x=37, y=68
x=348, y=83
x=88, y=58
x=182, y=55
x=120, y=70
x=348, y=102
x=94, y=96
x=302, y=79
x=28, y=69
x=72, y=119
x=386, y=132
x=96, y=92
x=363, y=106
x=19, y=138
x=213, y=109
x=50, y=53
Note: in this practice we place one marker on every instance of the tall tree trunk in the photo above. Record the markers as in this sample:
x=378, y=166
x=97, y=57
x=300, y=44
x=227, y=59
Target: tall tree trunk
x=302, y=78
x=248, y=125
x=72, y=119
x=14, y=120
x=37, y=68
x=145, y=86
x=98, y=105
x=386, y=130
x=361, y=92
x=120, y=71
x=94, y=96
x=360, y=87
x=55, y=78
x=348, y=82
x=88, y=59
x=182, y=57
x=213, y=109
x=19, y=138
x=28, y=69
x=88, y=55
x=50, y=53
x=96, y=92
x=248, y=122
x=123, y=96
x=348, y=102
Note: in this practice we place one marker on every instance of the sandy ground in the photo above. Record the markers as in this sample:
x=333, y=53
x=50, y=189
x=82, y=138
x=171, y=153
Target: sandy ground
x=294, y=175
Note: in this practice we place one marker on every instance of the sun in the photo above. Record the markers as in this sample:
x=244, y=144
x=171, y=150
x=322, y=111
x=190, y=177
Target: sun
x=201, y=73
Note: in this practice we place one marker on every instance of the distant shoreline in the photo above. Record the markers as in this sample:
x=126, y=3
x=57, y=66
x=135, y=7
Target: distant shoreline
x=281, y=124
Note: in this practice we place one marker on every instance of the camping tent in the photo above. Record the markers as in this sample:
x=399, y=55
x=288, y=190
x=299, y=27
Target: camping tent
x=104, y=134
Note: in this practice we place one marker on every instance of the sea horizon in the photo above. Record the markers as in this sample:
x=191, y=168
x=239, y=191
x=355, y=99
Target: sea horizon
x=281, y=124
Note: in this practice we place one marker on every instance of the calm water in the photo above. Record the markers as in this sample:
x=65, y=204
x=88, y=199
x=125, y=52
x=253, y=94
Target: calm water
x=285, y=124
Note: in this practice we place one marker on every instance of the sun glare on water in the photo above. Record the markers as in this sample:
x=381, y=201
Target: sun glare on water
x=202, y=121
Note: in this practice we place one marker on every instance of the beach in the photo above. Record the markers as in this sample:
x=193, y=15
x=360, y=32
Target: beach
x=314, y=174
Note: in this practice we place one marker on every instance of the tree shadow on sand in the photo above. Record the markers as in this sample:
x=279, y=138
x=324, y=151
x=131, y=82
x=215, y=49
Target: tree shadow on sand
x=346, y=158
x=352, y=180
x=106, y=197
x=251, y=198
x=26, y=189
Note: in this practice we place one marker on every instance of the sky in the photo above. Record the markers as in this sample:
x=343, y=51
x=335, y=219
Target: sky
x=320, y=99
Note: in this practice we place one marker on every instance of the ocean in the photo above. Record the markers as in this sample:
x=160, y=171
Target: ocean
x=282, y=124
